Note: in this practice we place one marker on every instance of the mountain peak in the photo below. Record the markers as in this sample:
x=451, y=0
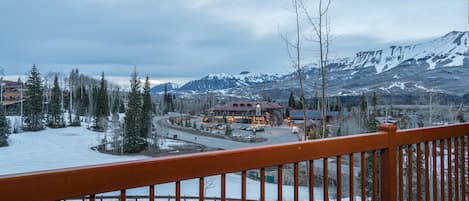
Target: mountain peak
x=444, y=51
x=161, y=87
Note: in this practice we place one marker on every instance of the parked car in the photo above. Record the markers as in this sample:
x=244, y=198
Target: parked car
x=259, y=129
x=243, y=127
x=295, y=130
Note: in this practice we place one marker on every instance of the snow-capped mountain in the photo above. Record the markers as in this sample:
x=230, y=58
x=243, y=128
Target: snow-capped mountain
x=446, y=51
x=438, y=65
x=161, y=87
x=225, y=81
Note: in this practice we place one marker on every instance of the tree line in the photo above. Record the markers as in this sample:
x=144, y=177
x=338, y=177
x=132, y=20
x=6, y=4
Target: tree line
x=83, y=97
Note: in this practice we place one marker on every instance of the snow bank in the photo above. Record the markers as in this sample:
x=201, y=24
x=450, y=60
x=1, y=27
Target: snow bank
x=53, y=149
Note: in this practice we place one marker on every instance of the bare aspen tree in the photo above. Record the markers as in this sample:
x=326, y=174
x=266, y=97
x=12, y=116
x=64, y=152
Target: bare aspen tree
x=321, y=31
x=297, y=61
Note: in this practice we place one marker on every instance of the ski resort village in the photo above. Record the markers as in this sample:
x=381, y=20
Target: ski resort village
x=289, y=100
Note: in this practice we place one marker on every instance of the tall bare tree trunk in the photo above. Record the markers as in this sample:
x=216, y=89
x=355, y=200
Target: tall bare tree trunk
x=297, y=62
x=300, y=76
x=320, y=27
x=323, y=73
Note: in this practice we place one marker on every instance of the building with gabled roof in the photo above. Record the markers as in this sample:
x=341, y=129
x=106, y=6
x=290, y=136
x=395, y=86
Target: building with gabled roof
x=248, y=112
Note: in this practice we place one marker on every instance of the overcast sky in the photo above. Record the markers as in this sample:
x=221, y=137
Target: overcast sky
x=181, y=40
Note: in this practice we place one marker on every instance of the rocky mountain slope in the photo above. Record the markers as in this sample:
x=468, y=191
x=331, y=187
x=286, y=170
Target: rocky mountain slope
x=439, y=65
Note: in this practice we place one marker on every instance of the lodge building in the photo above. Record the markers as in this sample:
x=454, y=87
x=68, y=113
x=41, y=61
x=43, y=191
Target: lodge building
x=248, y=112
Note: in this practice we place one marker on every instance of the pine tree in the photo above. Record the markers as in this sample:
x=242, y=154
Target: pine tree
x=133, y=140
x=146, y=109
x=33, y=107
x=168, y=105
x=4, y=127
x=373, y=124
x=291, y=101
x=84, y=101
x=363, y=111
x=55, y=113
x=116, y=102
x=101, y=105
x=122, y=107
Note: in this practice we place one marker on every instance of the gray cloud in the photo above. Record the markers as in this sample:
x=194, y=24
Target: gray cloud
x=188, y=39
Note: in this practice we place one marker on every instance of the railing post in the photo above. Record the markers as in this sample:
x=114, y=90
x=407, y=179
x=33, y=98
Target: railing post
x=388, y=165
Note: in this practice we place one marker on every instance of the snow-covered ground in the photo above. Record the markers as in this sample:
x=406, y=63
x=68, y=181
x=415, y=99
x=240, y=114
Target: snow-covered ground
x=53, y=149
x=71, y=147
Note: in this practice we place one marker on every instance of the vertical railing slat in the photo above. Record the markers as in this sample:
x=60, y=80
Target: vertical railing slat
x=311, y=180
x=123, y=196
x=339, y=177
x=280, y=183
x=92, y=197
x=296, y=183
x=363, y=175
x=434, y=171
x=178, y=190
x=401, y=174
x=463, y=168
x=450, y=176
x=419, y=176
x=374, y=177
x=409, y=172
x=351, y=177
x=427, y=172
x=201, y=189
x=442, y=170
x=151, y=193
x=223, y=187
x=262, y=181
x=243, y=185
x=456, y=168
x=326, y=179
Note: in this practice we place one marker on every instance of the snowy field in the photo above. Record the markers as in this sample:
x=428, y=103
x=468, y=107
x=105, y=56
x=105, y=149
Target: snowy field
x=71, y=147
x=53, y=149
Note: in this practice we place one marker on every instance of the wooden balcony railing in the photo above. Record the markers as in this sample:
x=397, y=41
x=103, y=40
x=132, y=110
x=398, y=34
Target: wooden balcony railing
x=417, y=164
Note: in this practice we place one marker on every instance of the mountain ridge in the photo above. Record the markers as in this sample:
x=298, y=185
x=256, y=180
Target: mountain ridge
x=438, y=65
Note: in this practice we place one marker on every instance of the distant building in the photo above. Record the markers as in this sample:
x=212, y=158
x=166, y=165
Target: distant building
x=11, y=96
x=297, y=116
x=248, y=112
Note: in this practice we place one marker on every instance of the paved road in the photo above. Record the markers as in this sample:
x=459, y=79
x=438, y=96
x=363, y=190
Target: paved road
x=273, y=136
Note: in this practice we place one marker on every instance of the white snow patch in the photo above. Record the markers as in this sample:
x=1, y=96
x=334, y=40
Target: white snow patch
x=53, y=149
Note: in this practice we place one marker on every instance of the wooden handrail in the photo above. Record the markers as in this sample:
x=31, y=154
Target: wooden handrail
x=75, y=182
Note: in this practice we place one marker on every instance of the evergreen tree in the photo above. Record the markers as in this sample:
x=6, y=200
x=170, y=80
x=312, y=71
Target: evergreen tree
x=165, y=99
x=133, y=140
x=146, y=109
x=115, y=105
x=373, y=124
x=4, y=127
x=168, y=105
x=363, y=111
x=101, y=105
x=33, y=107
x=374, y=103
x=85, y=101
x=122, y=107
x=55, y=113
x=291, y=101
